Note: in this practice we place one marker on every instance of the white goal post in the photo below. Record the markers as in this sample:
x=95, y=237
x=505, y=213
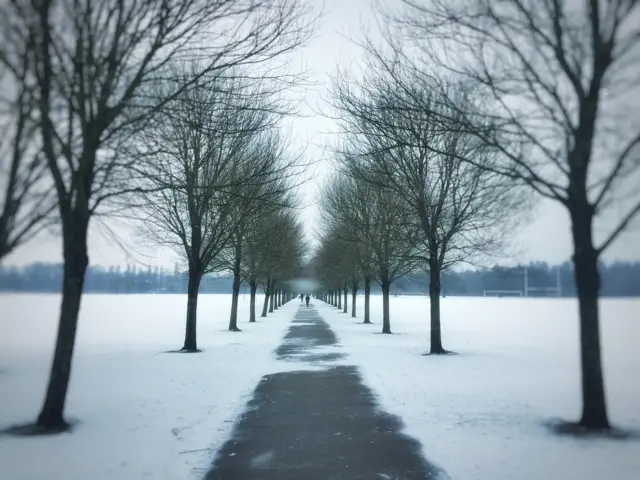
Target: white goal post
x=556, y=289
x=503, y=293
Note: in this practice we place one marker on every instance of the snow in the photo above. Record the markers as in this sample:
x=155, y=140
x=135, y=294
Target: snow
x=481, y=414
x=141, y=413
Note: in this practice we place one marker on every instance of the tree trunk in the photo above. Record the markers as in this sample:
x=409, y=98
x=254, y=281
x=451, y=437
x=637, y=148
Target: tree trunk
x=76, y=261
x=367, y=298
x=235, y=293
x=346, y=296
x=386, y=317
x=353, y=301
x=267, y=294
x=339, y=295
x=587, y=278
x=272, y=291
x=252, y=303
x=434, y=301
x=276, y=300
x=193, y=285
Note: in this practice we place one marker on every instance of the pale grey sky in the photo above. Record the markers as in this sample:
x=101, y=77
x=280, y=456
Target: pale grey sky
x=546, y=238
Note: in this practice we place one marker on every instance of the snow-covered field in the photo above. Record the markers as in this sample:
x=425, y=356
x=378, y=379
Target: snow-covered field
x=480, y=414
x=146, y=414
x=142, y=413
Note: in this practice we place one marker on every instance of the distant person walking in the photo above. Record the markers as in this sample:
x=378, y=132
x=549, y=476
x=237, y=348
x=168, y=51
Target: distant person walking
x=307, y=299
x=301, y=297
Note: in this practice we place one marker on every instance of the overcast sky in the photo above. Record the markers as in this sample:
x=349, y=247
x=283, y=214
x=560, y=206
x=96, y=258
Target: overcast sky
x=546, y=237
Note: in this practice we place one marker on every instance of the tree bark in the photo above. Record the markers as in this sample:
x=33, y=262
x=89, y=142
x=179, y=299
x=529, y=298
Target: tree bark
x=339, y=298
x=76, y=261
x=434, y=301
x=253, y=285
x=354, y=291
x=267, y=295
x=190, y=337
x=276, y=300
x=235, y=293
x=386, y=317
x=345, y=306
x=271, y=294
x=367, y=298
x=587, y=278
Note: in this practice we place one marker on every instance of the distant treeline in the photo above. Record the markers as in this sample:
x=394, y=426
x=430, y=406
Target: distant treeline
x=618, y=279
x=47, y=277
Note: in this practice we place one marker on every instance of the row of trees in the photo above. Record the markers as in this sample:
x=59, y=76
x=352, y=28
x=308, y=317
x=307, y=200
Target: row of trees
x=219, y=185
x=165, y=111
x=464, y=103
x=404, y=198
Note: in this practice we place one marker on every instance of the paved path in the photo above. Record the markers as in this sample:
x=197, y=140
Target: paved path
x=319, y=424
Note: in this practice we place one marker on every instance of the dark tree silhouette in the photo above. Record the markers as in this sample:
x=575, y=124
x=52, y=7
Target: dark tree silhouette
x=552, y=83
x=201, y=152
x=25, y=192
x=356, y=213
x=89, y=64
x=462, y=209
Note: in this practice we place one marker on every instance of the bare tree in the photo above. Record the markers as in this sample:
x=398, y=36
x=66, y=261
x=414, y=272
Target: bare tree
x=269, y=172
x=274, y=243
x=354, y=281
x=258, y=228
x=90, y=61
x=335, y=261
x=378, y=219
x=556, y=79
x=281, y=247
x=325, y=266
x=461, y=208
x=25, y=201
x=200, y=152
x=349, y=259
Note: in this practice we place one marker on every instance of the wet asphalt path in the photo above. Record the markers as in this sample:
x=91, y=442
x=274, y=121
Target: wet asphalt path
x=319, y=424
